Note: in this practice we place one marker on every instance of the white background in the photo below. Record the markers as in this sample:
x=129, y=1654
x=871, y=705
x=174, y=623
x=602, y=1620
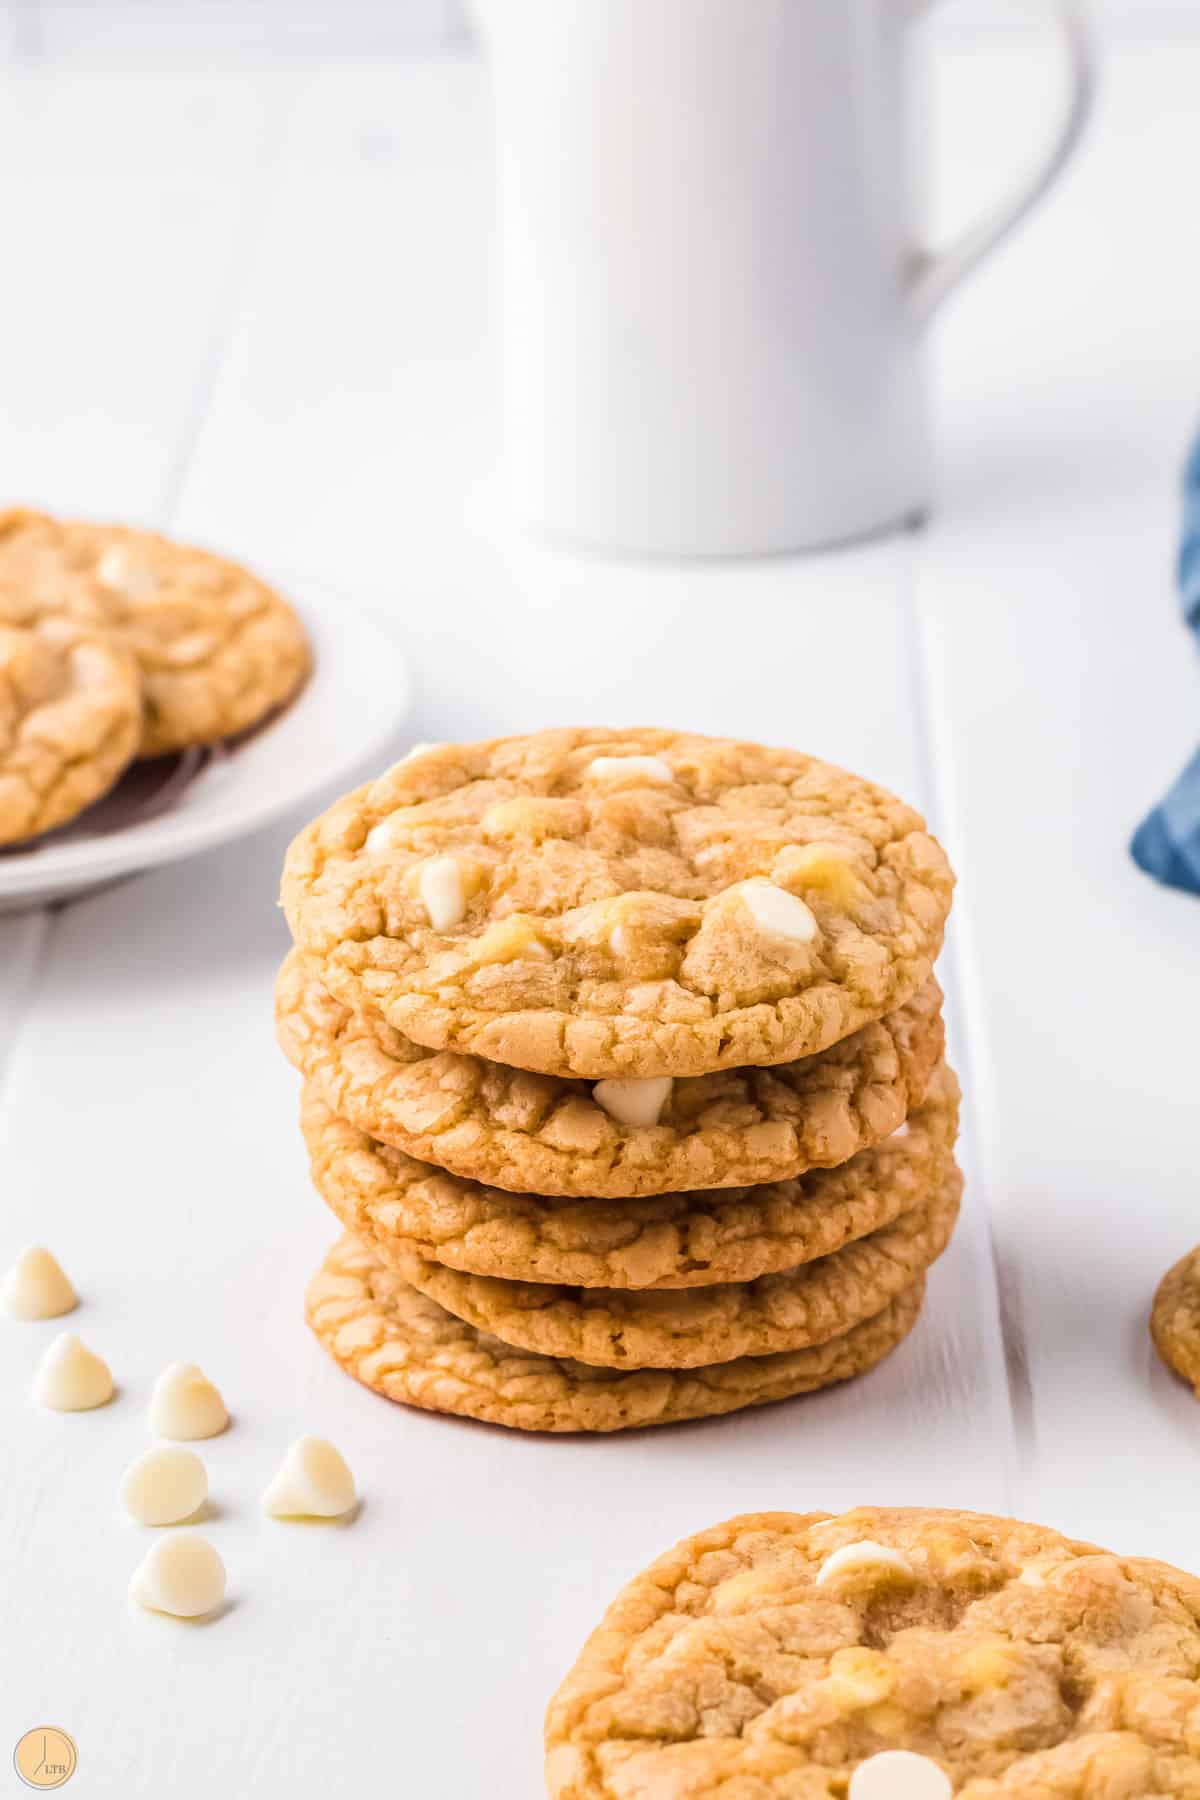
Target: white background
x=249, y=300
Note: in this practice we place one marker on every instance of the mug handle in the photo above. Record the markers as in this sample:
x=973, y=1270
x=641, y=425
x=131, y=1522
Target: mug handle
x=934, y=273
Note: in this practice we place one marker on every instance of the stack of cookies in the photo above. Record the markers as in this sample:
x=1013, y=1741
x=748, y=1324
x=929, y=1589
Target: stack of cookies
x=116, y=645
x=623, y=1073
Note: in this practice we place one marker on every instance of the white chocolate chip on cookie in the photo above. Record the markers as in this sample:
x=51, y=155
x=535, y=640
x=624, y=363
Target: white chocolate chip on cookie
x=833, y=871
x=632, y=1102
x=71, y=1378
x=185, y=1404
x=509, y=940
x=899, y=1775
x=182, y=1575
x=126, y=574
x=313, y=1482
x=163, y=1486
x=777, y=912
x=36, y=1287
x=877, y=1561
x=629, y=770
x=443, y=892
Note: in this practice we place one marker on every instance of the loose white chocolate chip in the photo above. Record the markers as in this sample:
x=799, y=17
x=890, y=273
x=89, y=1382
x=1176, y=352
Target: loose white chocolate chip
x=776, y=911
x=899, y=1775
x=443, y=894
x=121, y=570
x=314, y=1482
x=36, y=1288
x=182, y=1575
x=70, y=1378
x=185, y=1404
x=629, y=769
x=863, y=1557
x=163, y=1486
x=632, y=1102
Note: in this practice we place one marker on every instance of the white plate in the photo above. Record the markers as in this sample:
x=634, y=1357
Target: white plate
x=356, y=697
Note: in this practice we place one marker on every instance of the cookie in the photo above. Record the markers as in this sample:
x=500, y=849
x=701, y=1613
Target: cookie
x=403, y=1207
x=620, y=904
x=407, y=1347
x=70, y=722
x=1175, y=1319
x=686, y=1328
x=550, y=1135
x=775, y=1654
x=218, y=649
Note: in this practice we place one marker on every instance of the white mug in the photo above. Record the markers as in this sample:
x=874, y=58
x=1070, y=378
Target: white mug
x=712, y=296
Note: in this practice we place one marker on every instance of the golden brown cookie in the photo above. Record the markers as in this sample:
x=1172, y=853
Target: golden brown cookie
x=218, y=649
x=770, y=1657
x=1175, y=1319
x=403, y=1345
x=684, y=1328
x=406, y=1208
x=551, y=1135
x=614, y=904
x=70, y=721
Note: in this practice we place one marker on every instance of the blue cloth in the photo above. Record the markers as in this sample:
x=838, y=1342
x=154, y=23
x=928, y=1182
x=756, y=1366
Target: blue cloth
x=1167, y=842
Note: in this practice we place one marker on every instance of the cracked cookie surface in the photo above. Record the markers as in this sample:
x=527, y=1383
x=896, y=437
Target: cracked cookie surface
x=772, y=1654
x=1175, y=1319
x=70, y=722
x=217, y=648
x=410, y=1349
x=620, y=904
x=683, y=1328
x=403, y=1207
x=550, y=1135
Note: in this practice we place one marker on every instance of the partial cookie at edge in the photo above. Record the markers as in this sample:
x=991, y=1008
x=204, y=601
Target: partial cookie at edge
x=1175, y=1319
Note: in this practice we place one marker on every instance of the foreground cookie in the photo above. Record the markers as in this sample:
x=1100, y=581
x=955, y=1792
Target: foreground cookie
x=407, y=1347
x=70, y=722
x=775, y=1654
x=685, y=1328
x=1175, y=1319
x=404, y=1208
x=217, y=648
x=550, y=1135
x=620, y=904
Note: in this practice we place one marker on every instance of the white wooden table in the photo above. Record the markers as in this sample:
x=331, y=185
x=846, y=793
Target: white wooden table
x=253, y=307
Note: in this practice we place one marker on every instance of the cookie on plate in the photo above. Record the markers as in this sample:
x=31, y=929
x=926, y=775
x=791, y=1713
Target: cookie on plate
x=620, y=904
x=218, y=649
x=410, y=1349
x=1175, y=1319
x=404, y=1208
x=781, y=1654
x=70, y=723
x=553, y=1135
x=684, y=1328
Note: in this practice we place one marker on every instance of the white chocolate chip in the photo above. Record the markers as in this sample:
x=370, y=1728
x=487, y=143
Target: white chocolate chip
x=36, y=1288
x=899, y=1775
x=418, y=750
x=629, y=770
x=163, y=1486
x=122, y=571
x=776, y=911
x=900, y=1133
x=383, y=836
x=185, y=1404
x=314, y=1482
x=71, y=1378
x=443, y=894
x=863, y=1557
x=182, y=1575
x=634, y=1103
